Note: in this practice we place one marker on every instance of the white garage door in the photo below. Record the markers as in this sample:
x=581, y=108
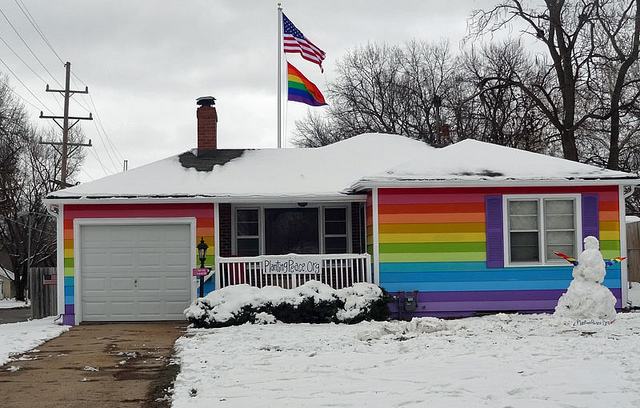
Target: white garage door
x=135, y=272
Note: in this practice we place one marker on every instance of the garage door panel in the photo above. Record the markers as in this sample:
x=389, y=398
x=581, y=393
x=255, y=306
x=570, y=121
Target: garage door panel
x=135, y=272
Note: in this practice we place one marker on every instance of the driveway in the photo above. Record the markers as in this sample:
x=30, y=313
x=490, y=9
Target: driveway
x=97, y=365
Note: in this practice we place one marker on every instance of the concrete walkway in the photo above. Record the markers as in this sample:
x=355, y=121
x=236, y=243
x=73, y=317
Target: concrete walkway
x=100, y=365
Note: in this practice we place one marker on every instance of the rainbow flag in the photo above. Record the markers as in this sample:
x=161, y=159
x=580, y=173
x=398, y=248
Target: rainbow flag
x=303, y=90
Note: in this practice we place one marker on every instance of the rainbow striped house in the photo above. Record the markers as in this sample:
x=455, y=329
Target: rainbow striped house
x=465, y=229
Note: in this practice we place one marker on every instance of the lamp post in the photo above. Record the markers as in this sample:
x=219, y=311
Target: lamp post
x=202, y=255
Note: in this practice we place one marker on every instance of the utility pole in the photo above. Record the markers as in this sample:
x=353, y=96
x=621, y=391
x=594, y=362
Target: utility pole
x=67, y=93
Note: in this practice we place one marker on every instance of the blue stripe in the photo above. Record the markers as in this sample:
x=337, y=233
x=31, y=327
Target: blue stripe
x=68, y=281
x=485, y=286
x=68, y=300
x=398, y=267
x=479, y=276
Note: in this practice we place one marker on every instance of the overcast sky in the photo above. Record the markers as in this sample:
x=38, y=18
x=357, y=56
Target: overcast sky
x=145, y=63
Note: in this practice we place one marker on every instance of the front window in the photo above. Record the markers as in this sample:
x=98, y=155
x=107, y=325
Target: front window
x=291, y=231
x=299, y=230
x=538, y=227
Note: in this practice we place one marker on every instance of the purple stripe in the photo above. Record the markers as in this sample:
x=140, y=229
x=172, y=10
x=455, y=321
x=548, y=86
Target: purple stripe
x=464, y=303
x=69, y=309
x=69, y=320
x=309, y=100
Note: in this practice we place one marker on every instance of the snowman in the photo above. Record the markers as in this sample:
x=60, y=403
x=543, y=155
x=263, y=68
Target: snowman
x=586, y=297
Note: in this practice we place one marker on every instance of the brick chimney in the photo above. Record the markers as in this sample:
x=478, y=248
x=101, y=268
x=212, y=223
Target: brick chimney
x=207, y=125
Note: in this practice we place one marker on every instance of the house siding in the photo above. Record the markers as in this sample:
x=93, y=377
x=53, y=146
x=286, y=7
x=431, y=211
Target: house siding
x=204, y=214
x=438, y=242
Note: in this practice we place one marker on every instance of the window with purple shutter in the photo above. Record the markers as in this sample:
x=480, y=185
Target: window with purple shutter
x=493, y=227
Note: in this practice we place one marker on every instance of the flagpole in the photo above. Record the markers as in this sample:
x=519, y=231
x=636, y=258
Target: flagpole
x=280, y=52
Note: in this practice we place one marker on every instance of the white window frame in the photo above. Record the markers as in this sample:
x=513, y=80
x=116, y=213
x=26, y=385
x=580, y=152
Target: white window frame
x=261, y=222
x=541, y=227
x=234, y=228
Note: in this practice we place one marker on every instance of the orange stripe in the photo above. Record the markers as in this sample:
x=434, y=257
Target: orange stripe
x=68, y=234
x=204, y=222
x=432, y=208
x=205, y=231
x=68, y=244
x=609, y=226
x=609, y=216
x=430, y=218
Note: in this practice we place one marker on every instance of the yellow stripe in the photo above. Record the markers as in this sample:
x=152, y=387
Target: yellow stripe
x=442, y=237
x=434, y=257
x=609, y=235
x=464, y=227
x=68, y=253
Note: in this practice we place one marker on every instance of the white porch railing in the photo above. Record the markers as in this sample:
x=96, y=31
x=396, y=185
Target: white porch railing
x=290, y=271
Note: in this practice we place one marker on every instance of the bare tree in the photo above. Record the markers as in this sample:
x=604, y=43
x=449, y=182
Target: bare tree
x=503, y=115
x=592, y=46
x=386, y=89
x=27, y=173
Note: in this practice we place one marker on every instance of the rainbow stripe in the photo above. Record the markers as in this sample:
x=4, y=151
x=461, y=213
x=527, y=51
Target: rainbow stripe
x=434, y=241
x=203, y=213
x=303, y=90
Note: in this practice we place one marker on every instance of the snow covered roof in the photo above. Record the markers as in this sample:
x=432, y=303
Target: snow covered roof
x=5, y=273
x=340, y=169
x=471, y=161
x=264, y=173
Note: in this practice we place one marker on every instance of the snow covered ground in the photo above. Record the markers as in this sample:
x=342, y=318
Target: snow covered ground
x=523, y=361
x=12, y=304
x=16, y=338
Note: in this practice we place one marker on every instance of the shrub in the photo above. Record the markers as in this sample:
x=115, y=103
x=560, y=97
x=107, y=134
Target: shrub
x=313, y=302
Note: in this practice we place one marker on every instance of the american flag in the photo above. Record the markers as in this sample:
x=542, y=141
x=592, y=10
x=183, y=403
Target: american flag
x=295, y=41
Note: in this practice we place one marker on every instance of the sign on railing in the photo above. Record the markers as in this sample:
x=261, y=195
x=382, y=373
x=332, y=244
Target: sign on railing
x=290, y=271
x=292, y=264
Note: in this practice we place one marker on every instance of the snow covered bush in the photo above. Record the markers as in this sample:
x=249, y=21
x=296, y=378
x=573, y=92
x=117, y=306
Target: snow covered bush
x=586, y=297
x=313, y=302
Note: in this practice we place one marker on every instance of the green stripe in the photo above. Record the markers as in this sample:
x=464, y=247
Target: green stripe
x=434, y=257
x=433, y=247
x=297, y=85
x=68, y=262
x=610, y=246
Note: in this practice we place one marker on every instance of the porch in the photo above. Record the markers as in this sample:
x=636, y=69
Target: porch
x=289, y=271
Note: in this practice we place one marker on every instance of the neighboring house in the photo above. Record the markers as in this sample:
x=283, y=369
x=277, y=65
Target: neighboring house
x=454, y=231
x=6, y=283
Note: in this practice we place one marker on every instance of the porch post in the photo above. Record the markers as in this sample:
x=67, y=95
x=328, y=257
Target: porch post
x=216, y=246
x=376, y=238
x=624, y=277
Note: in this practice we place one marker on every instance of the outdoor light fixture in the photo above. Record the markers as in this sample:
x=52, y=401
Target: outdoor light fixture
x=202, y=251
x=202, y=255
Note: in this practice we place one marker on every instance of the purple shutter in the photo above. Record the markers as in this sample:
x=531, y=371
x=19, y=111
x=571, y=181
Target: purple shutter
x=493, y=226
x=590, y=218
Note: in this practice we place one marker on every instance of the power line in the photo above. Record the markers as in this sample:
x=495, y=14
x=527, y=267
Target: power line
x=33, y=22
x=23, y=84
x=29, y=48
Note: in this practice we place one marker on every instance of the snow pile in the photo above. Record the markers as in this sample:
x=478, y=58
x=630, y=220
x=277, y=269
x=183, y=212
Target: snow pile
x=12, y=304
x=21, y=337
x=586, y=297
x=313, y=302
x=634, y=294
x=526, y=361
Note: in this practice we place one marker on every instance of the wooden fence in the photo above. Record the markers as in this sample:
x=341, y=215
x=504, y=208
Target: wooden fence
x=633, y=251
x=43, y=296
